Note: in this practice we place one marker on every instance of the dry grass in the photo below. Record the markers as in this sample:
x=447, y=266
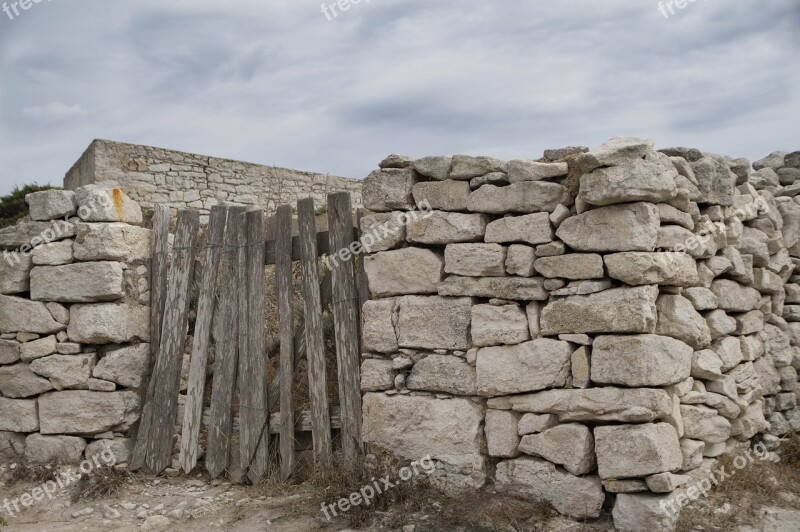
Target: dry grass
x=26, y=472
x=100, y=484
x=745, y=492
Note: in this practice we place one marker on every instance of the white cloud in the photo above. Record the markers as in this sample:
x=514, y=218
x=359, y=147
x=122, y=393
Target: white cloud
x=55, y=110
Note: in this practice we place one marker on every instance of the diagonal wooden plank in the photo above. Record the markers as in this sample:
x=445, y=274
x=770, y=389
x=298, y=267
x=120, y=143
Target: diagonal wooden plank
x=285, y=377
x=158, y=296
x=346, y=322
x=226, y=325
x=315, y=346
x=254, y=402
x=167, y=372
x=190, y=434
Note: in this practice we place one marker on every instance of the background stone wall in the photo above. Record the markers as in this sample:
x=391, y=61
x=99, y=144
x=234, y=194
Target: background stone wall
x=74, y=326
x=592, y=323
x=185, y=180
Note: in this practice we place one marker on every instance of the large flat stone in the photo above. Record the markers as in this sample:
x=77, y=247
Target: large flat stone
x=716, y=181
x=640, y=268
x=733, y=297
x=15, y=275
x=389, y=189
x=570, y=445
x=521, y=170
x=25, y=236
x=443, y=373
x=22, y=315
x=83, y=412
x=619, y=310
x=404, y=271
x=112, y=241
x=127, y=367
x=598, y=404
x=439, y=227
x=449, y=195
x=678, y=318
x=513, y=288
x=705, y=424
x=88, y=282
x=66, y=371
x=9, y=351
x=629, y=227
x=651, y=180
x=109, y=323
x=379, y=335
x=525, y=197
x=434, y=322
x=99, y=204
x=573, y=266
x=19, y=382
x=530, y=229
x=499, y=325
x=528, y=367
x=19, y=415
x=383, y=231
x=579, y=497
x=49, y=450
x=645, y=511
x=475, y=260
x=615, y=152
x=630, y=451
x=51, y=204
x=640, y=360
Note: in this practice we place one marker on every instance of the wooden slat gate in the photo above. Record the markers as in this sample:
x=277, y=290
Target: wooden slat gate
x=231, y=309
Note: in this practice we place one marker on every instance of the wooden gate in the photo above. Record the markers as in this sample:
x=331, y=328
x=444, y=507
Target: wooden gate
x=232, y=302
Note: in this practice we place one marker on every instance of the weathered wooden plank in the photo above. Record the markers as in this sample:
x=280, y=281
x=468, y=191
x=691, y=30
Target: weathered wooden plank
x=361, y=282
x=226, y=324
x=167, y=371
x=254, y=402
x=190, y=434
x=315, y=346
x=158, y=296
x=285, y=377
x=322, y=248
x=346, y=324
x=302, y=420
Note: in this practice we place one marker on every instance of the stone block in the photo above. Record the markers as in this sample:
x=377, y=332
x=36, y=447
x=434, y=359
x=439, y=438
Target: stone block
x=509, y=288
x=376, y=375
x=98, y=204
x=532, y=366
x=404, y=271
x=574, y=266
x=502, y=436
x=127, y=367
x=434, y=322
x=112, y=242
x=529, y=229
x=22, y=315
x=15, y=276
x=449, y=195
x=638, y=268
x=525, y=197
x=444, y=374
x=19, y=415
x=109, y=323
x=630, y=451
x=379, y=335
x=19, y=382
x=629, y=227
x=499, y=325
x=570, y=445
x=78, y=283
x=475, y=260
x=640, y=360
x=80, y=412
x=51, y=204
x=51, y=450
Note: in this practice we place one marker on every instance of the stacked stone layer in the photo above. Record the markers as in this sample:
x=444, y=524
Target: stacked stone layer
x=593, y=323
x=74, y=326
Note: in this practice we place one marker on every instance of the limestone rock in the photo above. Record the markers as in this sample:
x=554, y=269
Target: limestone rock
x=579, y=497
x=532, y=366
x=22, y=315
x=666, y=482
x=640, y=360
x=376, y=375
x=389, y=189
x=112, y=242
x=733, y=297
x=120, y=448
x=579, y=266
x=630, y=405
x=29, y=235
x=509, y=288
x=84, y=412
x=98, y=204
x=475, y=260
x=383, y=230
x=638, y=268
x=443, y=373
x=466, y=166
x=42, y=347
x=519, y=170
x=705, y=424
x=15, y=277
x=581, y=368
x=404, y=271
x=650, y=180
x=533, y=423
x=570, y=445
x=12, y=446
x=434, y=322
x=729, y=351
x=51, y=204
x=525, y=197
x=701, y=298
x=692, y=453
x=446, y=195
x=678, y=318
x=716, y=181
x=446, y=227
x=19, y=382
x=9, y=351
x=529, y=229
x=620, y=310
x=127, y=367
x=502, y=436
x=66, y=371
x=774, y=160
x=54, y=253
x=520, y=260
x=720, y=324
x=671, y=215
x=629, y=227
x=50, y=450
x=378, y=332
x=78, y=283
x=18, y=415
x=109, y=323
x=434, y=167
x=615, y=152
x=637, y=512
x=629, y=451
x=706, y=365
x=498, y=325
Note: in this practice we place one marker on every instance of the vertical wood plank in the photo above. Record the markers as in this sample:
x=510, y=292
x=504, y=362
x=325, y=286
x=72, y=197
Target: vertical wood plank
x=253, y=396
x=346, y=322
x=315, y=346
x=192, y=420
x=167, y=372
x=226, y=324
x=158, y=296
x=283, y=290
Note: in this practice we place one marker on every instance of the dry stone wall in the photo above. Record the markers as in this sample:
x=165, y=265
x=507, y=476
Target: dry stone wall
x=590, y=327
x=74, y=326
x=182, y=180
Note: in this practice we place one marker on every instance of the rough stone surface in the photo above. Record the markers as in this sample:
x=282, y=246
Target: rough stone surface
x=404, y=271
x=9, y=351
x=54, y=253
x=630, y=227
x=22, y=315
x=678, y=318
x=98, y=204
x=434, y=322
x=475, y=260
x=519, y=170
x=127, y=367
x=51, y=204
x=701, y=298
x=78, y=283
x=443, y=373
x=577, y=266
x=66, y=371
x=502, y=436
x=640, y=360
x=19, y=382
x=383, y=230
x=107, y=323
x=376, y=375
x=84, y=412
x=510, y=288
x=525, y=197
x=379, y=326
x=705, y=424
x=499, y=325
x=19, y=415
x=520, y=260
x=15, y=277
x=638, y=268
x=527, y=367
x=446, y=227
x=620, y=310
x=733, y=297
x=112, y=241
x=533, y=423
x=51, y=450
x=634, y=513
x=437, y=167
x=529, y=229
x=570, y=445
x=637, y=450
x=389, y=189
x=618, y=150
x=446, y=195
x=650, y=180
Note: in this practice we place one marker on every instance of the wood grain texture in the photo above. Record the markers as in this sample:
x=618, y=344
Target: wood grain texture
x=285, y=377
x=322, y=247
x=167, y=371
x=158, y=295
x=254, y=405
x=346, y=323
x=190, y=433
x=302, y=420
x=315, y=347
x=226, y=325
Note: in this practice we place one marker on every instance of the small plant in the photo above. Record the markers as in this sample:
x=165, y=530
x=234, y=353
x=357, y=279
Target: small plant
x=102, y=483
x=3, y=522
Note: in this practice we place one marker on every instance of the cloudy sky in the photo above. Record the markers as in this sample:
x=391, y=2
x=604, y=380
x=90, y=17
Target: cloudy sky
x=277, y=82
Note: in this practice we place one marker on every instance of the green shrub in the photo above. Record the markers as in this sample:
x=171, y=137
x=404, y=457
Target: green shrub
x=13, y=207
